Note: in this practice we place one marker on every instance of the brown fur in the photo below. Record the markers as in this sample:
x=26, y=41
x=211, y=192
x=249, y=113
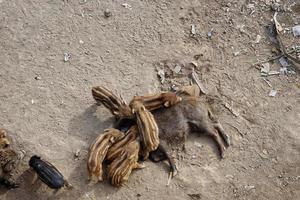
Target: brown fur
x=8, y=160
x=156, y=101
x=190, y=115
x=148, y=129
x=122, y=166
x=98, y=151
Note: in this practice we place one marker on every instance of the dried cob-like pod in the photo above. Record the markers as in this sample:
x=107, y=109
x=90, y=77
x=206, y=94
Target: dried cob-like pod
x=156, y=101
x=122, y=166
x=148, y=128
x=115, y=150
x=116, y=105
x=98, y=151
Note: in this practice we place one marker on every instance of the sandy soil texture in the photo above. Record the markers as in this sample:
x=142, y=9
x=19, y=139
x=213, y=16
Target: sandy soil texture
x=47, y=107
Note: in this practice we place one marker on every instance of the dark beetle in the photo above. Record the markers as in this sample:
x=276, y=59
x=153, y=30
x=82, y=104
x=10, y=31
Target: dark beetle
x=48, y=173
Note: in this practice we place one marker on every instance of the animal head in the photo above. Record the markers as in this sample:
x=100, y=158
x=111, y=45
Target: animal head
x=4, y=142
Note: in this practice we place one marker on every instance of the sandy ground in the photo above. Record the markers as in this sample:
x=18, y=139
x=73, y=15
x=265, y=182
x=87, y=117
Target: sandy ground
x=47, y=107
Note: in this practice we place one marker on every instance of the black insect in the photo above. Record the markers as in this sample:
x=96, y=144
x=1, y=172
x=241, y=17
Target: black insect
x=48, y=173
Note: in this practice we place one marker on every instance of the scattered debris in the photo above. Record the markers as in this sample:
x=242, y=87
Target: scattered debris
x=233, y=111
x=197, y=144
x=238, y=130
x=249, y=187
x=209, y=34
x=272, y=93
x=268, y=82
x=21, y=154
x=194, y=77
x=32, y=101
x=265, y=151
x=67, y=57
x=107, y=13
x=277, y=25
x=264, y=71
x=77, y=153
x=241, y=27
x=126, y=5
x=195, y=196
x=193, y=29
x=283, y=62
x=257, y=40
x=296, y=30
x=236, y=53
x=37, y=77
x=161, y=75
x=174, y=88
x=81, y=42
x=177, y=69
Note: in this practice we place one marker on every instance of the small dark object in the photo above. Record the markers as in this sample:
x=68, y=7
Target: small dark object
x=48, y=173
x=107, y=13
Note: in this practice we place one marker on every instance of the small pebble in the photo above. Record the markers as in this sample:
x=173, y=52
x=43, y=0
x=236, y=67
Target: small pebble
x=272, y=93
x=107, y=13
x=37, y=78
x=67, y=57
x=77, y=153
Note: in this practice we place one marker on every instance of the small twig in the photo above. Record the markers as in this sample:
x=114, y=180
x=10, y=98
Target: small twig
x=197, y=81
x=273, y=58
x=268, y=82
x=241, y=134
x=229, y=107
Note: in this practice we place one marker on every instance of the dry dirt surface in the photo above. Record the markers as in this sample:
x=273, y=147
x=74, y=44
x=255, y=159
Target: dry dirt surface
x=47, y=107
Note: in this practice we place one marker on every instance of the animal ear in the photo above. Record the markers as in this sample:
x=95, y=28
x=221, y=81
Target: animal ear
x=167, y=104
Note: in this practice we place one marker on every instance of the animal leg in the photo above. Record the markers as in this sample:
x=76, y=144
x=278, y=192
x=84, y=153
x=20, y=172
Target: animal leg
x=138, y=166
x=161, y=154
x=218, y=126
x=68, y=185
x=217, y=138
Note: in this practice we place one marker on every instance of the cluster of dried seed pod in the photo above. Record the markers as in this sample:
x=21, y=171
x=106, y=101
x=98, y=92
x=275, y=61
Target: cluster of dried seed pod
x=122, y=153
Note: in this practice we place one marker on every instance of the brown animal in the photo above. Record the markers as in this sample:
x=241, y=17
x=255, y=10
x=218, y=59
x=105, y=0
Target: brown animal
x=190, y=114
x=156, y=101
x=147, y=128
x=116, y=105
x=8, y=161
x=115, y=150
x=98, y=151
x=121, y=167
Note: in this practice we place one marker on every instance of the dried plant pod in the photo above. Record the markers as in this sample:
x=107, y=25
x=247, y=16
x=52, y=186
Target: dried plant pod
x=98, y=151
x=115, y=104
x=122, y=166
x=115, y=150
x=148, y=128
x=156, y=101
